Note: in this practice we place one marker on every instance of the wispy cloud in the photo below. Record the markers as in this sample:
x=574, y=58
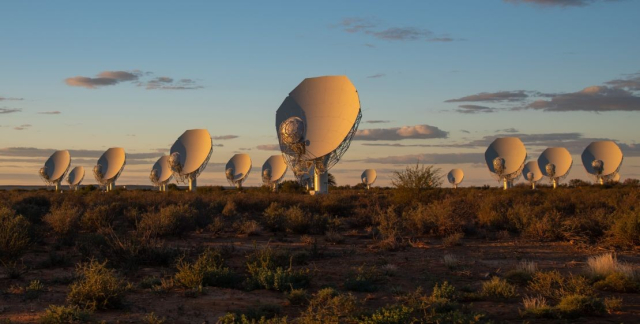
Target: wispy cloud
x=55, y=112
x=501, y=96
x=10, y=99
x=22, y=127
x=507, y=130
x=376, y=76
x=400, y=133
x=559, y=3
x=374, y=28
x=224, y=137
x=434, y=158
x=474, y=109
x=377, y=121
x=595, y=98
x=9, y=110
x=109, y=78
x=268, y=147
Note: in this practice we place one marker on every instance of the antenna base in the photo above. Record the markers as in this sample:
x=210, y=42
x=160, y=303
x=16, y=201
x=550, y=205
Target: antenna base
x=320, y=183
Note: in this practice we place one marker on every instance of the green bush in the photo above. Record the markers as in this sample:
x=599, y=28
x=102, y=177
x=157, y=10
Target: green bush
x=65, y=315
x=577, y=305
x=617, y=282
x=14, y=235
x=300, y=222
x=65, y=222
x=207, y=270
x=174, y=220
x=98, y=287
x=394, y=314
x=330, y=306
x=364, y=279
x=498, y=288
x=554, y=285
x=274, y=218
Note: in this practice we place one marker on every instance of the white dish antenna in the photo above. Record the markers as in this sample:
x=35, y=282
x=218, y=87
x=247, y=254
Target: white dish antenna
x=315, y=125
x=161, y=173
x=455, y=177
x=555, y=163
x=190, y=155
x=273, y=171
x=75, y=177
x=238, y=169
x=55, y=168
x=532, y=173
x=109, y=167
x=602, y=160
x=616, y=178
x=368, y=177
x=505, y=159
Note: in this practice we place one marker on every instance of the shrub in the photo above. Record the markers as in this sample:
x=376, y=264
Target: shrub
x=394, y=314
x=33, y=208
x=625, y=231
x=450, y=261
x=248, y=227
x=617, y=282
x=389, y=224
x=65, y=222
x=301, y=222
x=364, y=279
x=98, y=217
x=274, y=218
x=555, y=286
x=523, y=272
x=207, y=270
x=151, y=318
x=576, y=305
x=297, y=296
x=453, y=239
x=417, y=178
x=537, y=307
x=14, y=235
x=601, y=266
x=498, y=288
x=97, y=288
x=171, y=220
x=329, y=306
x=65, y=315
x=34, y=289
x=333, y=237
x=613, y=304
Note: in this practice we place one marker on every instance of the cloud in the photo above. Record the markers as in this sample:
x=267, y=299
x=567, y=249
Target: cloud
x=32, y=152
x=268, y=147
x=400, y=133
x=10, y=99
x=465, y=131
x=224, y=137
x=167, y=83
x=595, y=98
x=108, y=78
x=55, y=112
x=559, y=3
x=433, y=158
x=105, y=78
x=507, y=130
x=377, y=121
x=501, y=96
x=22, y=127
x=474, y=109
x=631, y=83
x=217, y=145
x=373, y=28
x=376, y=76
x=9, y=110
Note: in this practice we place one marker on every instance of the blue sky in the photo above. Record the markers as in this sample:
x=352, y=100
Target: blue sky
x=406, y=58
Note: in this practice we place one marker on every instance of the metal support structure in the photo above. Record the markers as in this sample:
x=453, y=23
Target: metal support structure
x=193, y=184
x=321, y=183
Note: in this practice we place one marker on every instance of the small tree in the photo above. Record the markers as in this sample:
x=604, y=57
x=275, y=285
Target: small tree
x=418, y=178
x=331, y=179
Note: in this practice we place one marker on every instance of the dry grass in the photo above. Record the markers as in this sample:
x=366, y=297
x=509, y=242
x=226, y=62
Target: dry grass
x=450, y=261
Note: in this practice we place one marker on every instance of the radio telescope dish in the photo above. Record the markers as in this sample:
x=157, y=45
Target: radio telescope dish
x=555, y=163
x=315, y=125
x=75, y=177
x=55, y=168
x=602, y=160
x=273, y=171
x=616, y=178
x=190, y=155
x=161, y=173
x=505, y=159
x=455, y=177
x=238, y=169
x=532, y=173
x=368, y=177
x=109, y=167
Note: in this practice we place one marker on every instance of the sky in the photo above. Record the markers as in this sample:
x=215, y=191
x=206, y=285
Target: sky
x=438, y=80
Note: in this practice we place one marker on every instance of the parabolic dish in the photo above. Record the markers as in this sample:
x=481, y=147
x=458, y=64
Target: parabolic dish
x=277, y=167
x=162, y=169
x=241, y=166
x=558, y=156
x=76, y=175
x=57, y=165
x=112, y=162
x=616, y=178
x=606, y=151
x=328, y=106
x=194, y=148
x=455, y=176
x=532, y=167
x=369, y=176
x=511, y=149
